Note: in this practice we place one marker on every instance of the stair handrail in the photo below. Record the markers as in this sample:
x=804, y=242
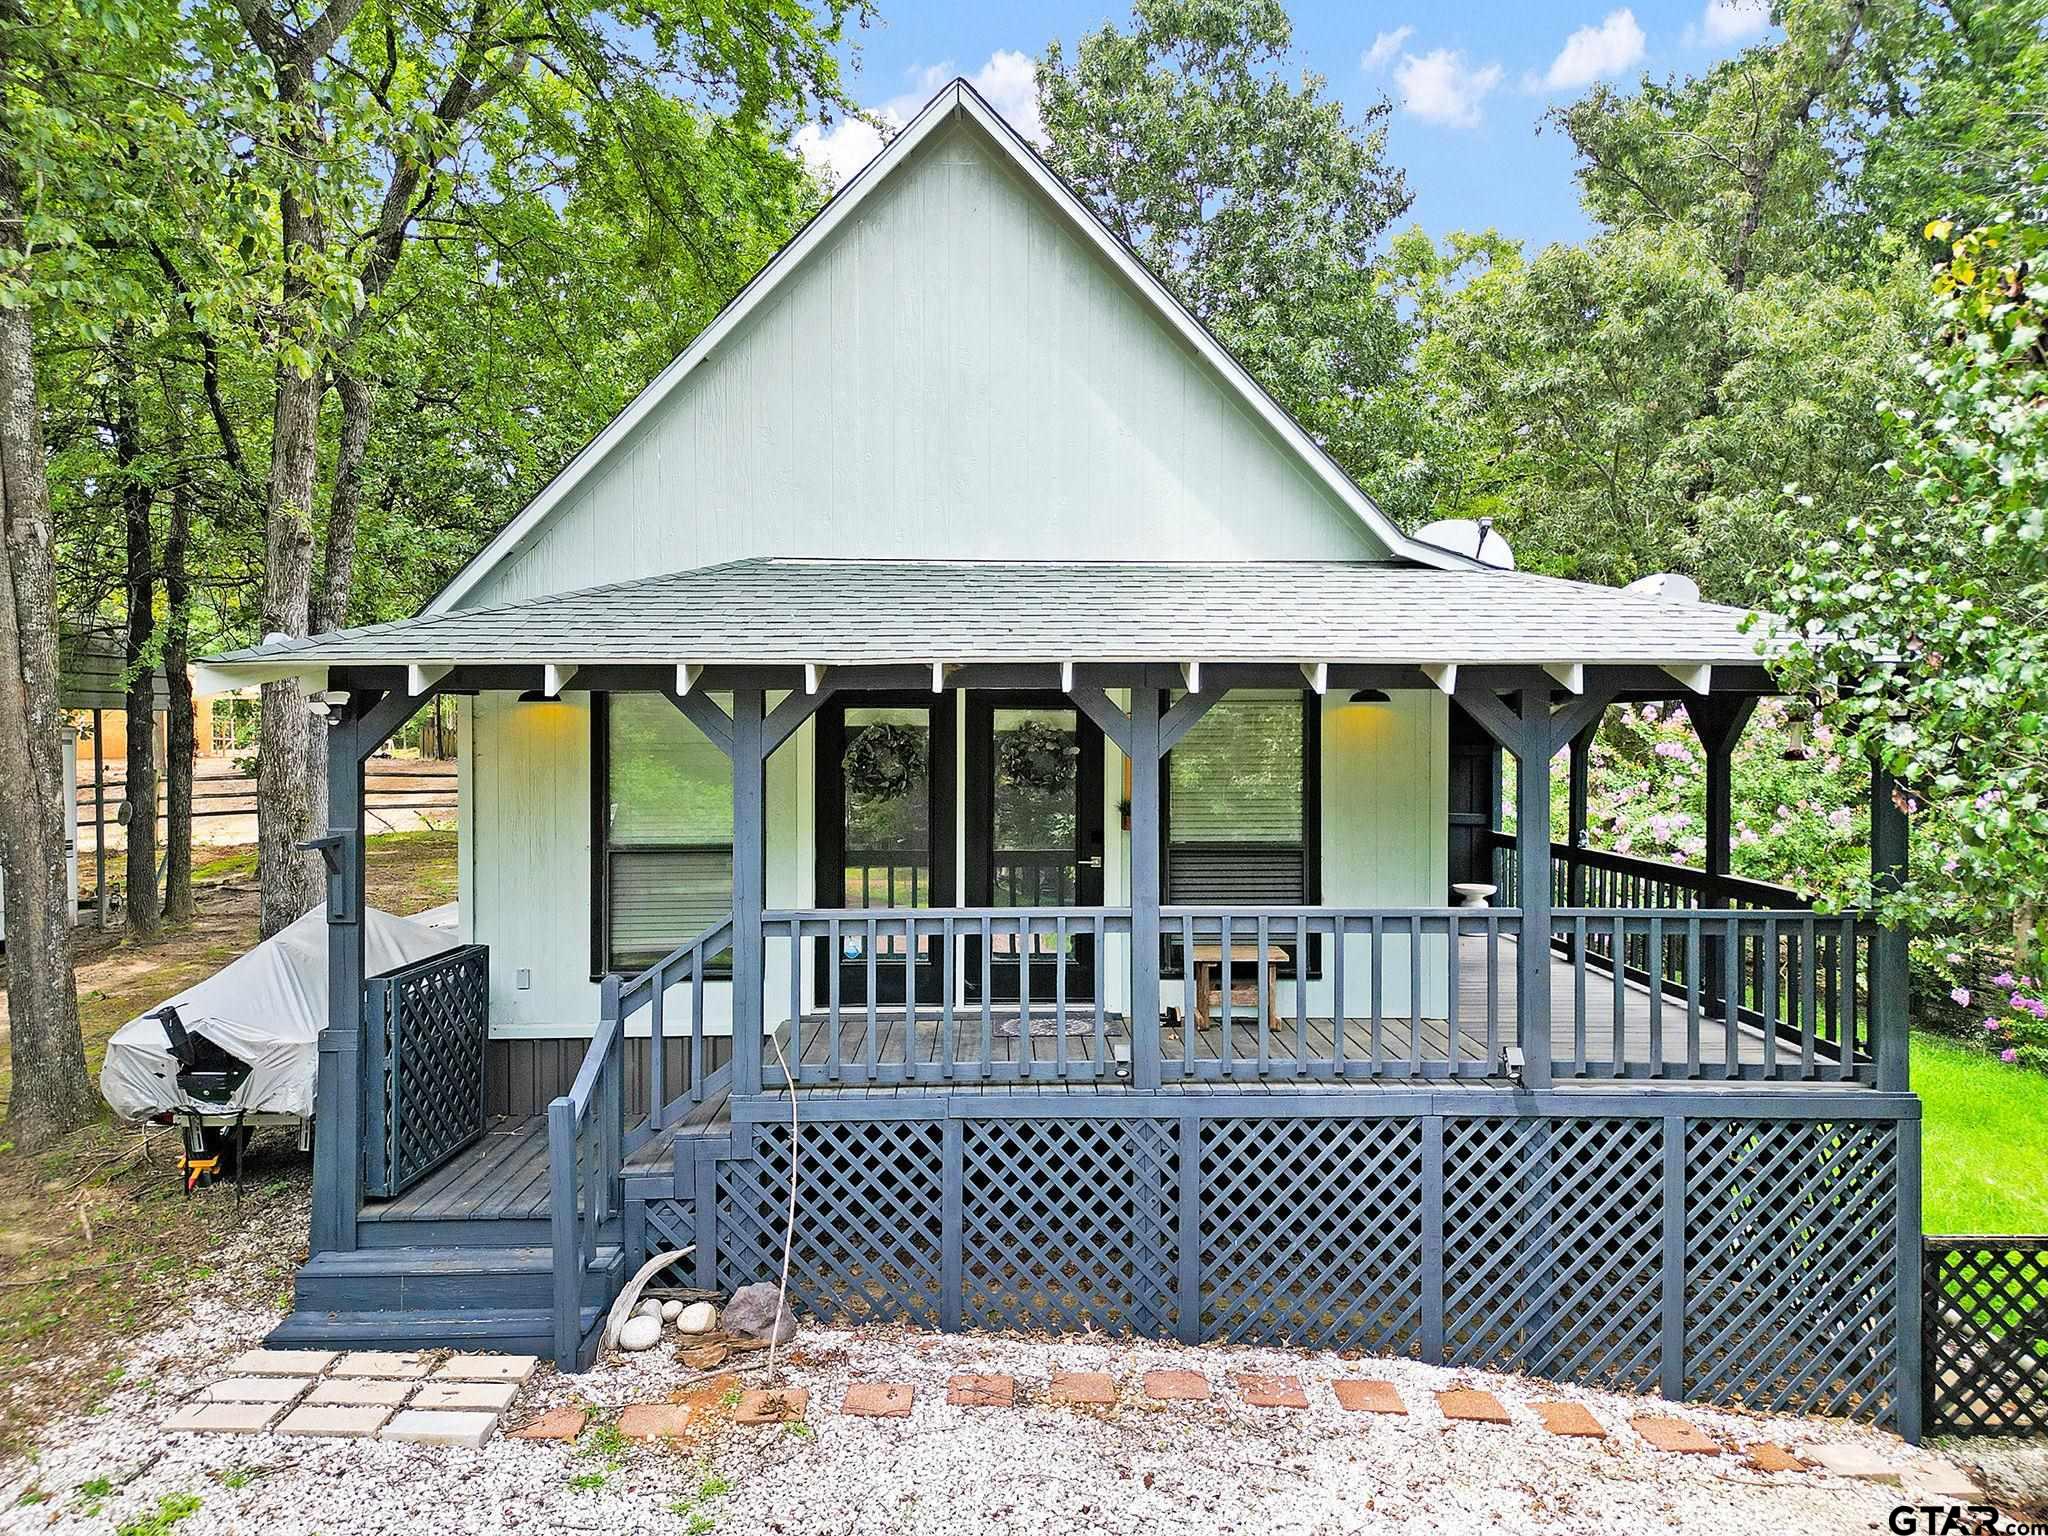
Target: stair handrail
x=588, y=1139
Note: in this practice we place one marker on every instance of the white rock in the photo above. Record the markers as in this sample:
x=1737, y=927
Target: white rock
x=640, y=1332
x=698, y=1317
x=649, y=1308
x=671, y=1310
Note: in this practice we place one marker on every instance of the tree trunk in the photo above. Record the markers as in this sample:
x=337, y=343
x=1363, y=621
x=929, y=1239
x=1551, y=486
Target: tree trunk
x=180, y=745
x=288, y=879
x=50, y=1093
x=138, y=499
x=338, y=567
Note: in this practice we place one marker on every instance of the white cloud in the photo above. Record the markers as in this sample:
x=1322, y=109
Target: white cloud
x=1383, y=49
x=1008, y=80
x=1598, y=53
x=1439, y=88
x=1729, y=21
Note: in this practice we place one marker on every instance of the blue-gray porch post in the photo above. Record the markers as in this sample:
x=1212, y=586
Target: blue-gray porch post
x=1889, y=980
x=338, y=1123
x=749, y=887
x=1532, y=895
x=1144, y=755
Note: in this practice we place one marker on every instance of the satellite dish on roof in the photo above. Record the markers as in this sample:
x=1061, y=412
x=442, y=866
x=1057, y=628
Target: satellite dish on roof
x=1667, y=586
x=1470, y=537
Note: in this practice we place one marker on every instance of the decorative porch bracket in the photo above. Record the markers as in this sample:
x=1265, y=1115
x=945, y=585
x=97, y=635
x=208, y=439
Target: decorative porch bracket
x=748, y=737
x=363, y=725
x=1526, y=726
x=1144, y=735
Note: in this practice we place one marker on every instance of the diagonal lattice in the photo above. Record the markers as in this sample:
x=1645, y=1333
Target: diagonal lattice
x=671, y=1225
x=430, y=1022
x=1553, y=1242
x=870, y=1217
x=1792, y=1265
x=1985, y=1311
x=1311, y=1231
x=1070, y=1224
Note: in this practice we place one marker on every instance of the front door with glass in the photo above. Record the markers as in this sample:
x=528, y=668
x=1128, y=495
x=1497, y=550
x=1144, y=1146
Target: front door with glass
x=1034, y=834
x=885, y=834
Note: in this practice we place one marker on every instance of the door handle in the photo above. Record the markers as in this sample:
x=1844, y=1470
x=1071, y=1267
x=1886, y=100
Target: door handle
x=1093, y=861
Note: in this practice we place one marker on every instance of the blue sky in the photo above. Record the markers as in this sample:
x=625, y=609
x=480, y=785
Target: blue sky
x=1468, y=81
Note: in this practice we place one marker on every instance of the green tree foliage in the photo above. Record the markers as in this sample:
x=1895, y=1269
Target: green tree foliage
x=1246, y=190
x=1921, y=628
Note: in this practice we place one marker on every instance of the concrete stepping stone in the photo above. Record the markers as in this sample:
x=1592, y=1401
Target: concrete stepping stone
x=1272, y=1391
x=513, y=1368
x=1573, y=1420
x=225, y=1418
x=1357, y=1395
x=1946, y=1480
x=981, y=1391
x=656, y=1421
x=335, y=1422
x=281, y=1362
x=1677, y=1436
x=363, y=1392
x=1470, y=1406
x=564, y=1421
x=381, y=1363
x=470, y=1396
x=423, y=1426
x=772, y=1405
x=1084, y=1389
x=1177, y=1386
x=255, y=1389
x=878, y=1400
x=1864, y=1463
x=1766, y=1457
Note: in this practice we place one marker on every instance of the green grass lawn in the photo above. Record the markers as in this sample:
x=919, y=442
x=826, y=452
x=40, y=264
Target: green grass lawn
x=1984, y=1141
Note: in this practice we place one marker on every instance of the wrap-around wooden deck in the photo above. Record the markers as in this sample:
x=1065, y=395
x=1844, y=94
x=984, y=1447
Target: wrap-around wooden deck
x=504, y=1177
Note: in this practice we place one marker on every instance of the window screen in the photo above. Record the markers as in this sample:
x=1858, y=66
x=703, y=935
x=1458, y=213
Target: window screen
x=1237, y=796
x=667, y=830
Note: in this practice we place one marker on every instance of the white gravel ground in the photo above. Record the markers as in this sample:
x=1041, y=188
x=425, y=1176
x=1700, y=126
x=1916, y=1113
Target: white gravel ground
x=1207, y=1468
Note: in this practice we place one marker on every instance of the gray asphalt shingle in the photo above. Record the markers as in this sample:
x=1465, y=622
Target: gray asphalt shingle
x=854, y=612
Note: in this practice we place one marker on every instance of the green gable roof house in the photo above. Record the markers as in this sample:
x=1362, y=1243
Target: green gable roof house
x=953, y=694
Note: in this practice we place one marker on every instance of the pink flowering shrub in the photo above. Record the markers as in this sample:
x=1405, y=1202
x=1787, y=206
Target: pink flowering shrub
x=2015, y=1018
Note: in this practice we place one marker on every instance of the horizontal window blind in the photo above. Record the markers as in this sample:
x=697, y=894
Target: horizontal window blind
x=662, y=898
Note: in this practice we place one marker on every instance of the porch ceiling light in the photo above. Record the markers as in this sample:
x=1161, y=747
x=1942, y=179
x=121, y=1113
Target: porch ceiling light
x=539, y=696
x=1371, y=696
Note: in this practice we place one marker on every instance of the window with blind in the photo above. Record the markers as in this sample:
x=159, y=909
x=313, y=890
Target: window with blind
x=664, y=831
x=1240, y=804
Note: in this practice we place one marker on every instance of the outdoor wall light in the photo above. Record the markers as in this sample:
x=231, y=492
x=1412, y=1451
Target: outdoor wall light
x=1371, y=696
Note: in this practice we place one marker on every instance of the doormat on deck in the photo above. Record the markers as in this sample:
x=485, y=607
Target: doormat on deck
x=1045, y=1026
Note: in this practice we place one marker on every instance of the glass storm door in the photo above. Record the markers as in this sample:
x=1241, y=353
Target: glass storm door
x=885, y=834
x=1034, y=829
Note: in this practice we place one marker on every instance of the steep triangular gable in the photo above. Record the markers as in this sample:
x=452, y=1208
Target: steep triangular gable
x=955, y=360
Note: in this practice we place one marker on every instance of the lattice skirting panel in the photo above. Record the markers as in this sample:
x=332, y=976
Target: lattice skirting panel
x=1985, y=1300
x=1710, y=1256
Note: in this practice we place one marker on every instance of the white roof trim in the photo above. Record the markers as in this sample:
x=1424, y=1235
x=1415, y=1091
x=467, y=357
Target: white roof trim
x=957, y=98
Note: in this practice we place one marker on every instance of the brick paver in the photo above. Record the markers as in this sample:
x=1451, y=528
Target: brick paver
x=878, y=1400
x=366, y=1391
x=1471, y=1406
x=225, y=1418
x=656, y=1421
x=1571, y=1419
x=381, y=1362
x=1082, y=1388
x=564, y=1421
x=1357, y=1395
x=1766, y=1457
x=981, y=1391
x=255, y=1389
x=1272, y=1391
x=1674, y=1435
x=470, y=1396
x=281, y=1362
x=772, y=1405
x=345, y=1423
x=513, y=1368
x=1176, y=1386
x=425, y=1426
